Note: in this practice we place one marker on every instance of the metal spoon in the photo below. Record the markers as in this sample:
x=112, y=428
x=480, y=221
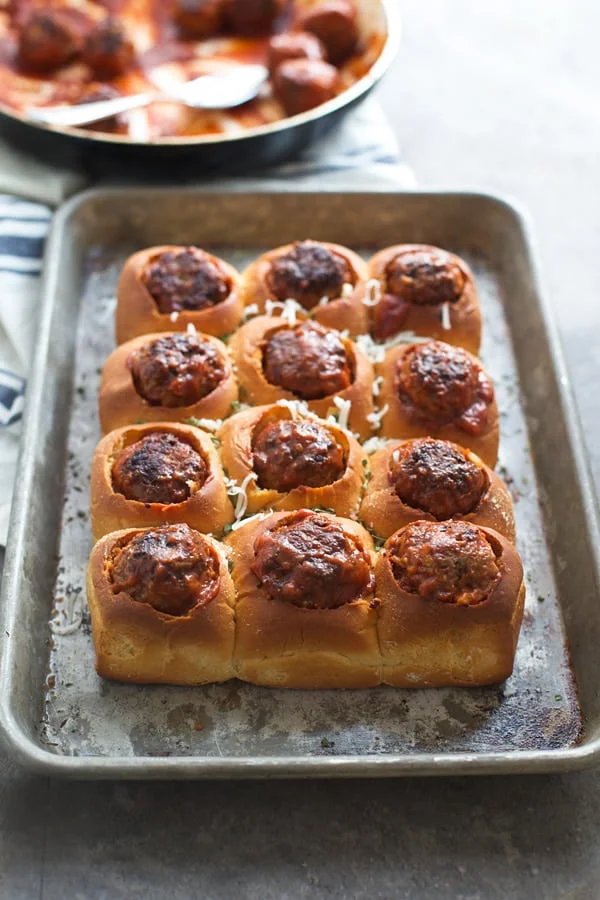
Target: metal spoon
x=222, y=91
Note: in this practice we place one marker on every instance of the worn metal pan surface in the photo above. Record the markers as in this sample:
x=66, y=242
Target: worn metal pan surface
x=198, y=155
x=58, y=717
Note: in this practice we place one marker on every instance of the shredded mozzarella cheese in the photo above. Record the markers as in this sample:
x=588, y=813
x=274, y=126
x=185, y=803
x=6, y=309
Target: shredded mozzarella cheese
x=174, y=316
x=347, y=290
x=191, y=329
x=256, y=518
x=377, y=385
x=373, y=444
x=446, y=323
x=372, y=292
x=297, y=408
x=250, y=311
x=343, y=407
x=288, y=310
x=375, y=419
x=239, y=491
x=208, y=424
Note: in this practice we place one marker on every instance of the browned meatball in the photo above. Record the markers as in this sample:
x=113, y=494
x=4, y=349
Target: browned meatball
x=437, y=380
x=176, y=370
x=159, y=468
x=310, y=561
x=185, y=279
x=448, y=561
x=308, y=273
x=108, y=50
x=335, y=23
x=171, y=568
x=289, y=454
x=308, y=360
x=293, y=45
x=250, y=17
x=437, y=477
x=199, y=18
x=425, y=277
x=302, y=84
x=49, y=39
x=389, y=317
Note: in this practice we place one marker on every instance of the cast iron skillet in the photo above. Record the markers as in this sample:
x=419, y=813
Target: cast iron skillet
x=202, y=154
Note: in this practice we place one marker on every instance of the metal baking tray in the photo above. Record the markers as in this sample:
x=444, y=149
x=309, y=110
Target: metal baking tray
x=58, y=717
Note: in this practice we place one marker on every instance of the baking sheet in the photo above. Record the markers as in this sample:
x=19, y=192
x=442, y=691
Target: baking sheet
x=222, y=729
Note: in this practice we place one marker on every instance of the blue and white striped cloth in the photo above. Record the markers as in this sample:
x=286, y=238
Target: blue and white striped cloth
x=361, y=152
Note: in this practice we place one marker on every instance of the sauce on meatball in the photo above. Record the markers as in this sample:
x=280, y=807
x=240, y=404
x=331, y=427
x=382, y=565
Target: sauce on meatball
x=108, y=50
x=439, y=384
x=425, y=277
x=49, y=39
x=307, y=273
x=185, y=279
x=452, y=562
x=252, y=17
x=289, y=454
x=335, y=23
x=310, y=561
x=176, y=370
x=437, y=477
x=302, y=84
x=159, y=468
x=199, y=19
x=309, y=361
x=172, y=568
x=293, y=45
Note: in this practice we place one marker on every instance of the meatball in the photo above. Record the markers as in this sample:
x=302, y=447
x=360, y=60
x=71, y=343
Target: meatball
x=199, y=18
x=448, y=561
x=308, y=273
x=252, y=17
x=310, y=561
x=159, y=468
x=185, y=279
x=308, y=360
x=108, y=50
x=171, y=568
x=294, y=45
x=437, y=380
x=437, y=477
x=425, y=277
x=49, y=39
x=335, y=23
x=176, y=370
x=289, y=454
x=302, y=84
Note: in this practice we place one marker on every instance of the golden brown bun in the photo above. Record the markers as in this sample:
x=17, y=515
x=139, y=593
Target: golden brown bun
x=120, y=404
x=397, y=424
x=426, y=321
x=208, y=509
x=342, y=495
x=246, y=351
x=384, y=512
x=429, y=643
x=342, y=313
x=137, y=313
x=136, y=643
x=282, y=645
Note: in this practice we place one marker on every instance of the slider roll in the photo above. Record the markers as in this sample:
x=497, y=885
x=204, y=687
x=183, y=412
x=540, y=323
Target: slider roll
x=452, y=597
x=291, y=460
x=168, y=288
x=435, y=389
x=434, y=480
x=306, y=611
x=326, y=281
x=278, y=361
x=161, y=603
x=427, y=291
x=150, y=475
x=166, y=377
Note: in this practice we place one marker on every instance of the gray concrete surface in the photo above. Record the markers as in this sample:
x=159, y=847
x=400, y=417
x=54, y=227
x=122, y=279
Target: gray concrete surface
x=502, y=95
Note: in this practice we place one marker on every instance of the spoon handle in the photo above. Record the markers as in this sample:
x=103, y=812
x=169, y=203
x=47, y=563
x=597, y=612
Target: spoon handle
x=84, y=113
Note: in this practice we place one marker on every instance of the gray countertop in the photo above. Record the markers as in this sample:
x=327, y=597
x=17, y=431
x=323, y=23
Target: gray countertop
x=498, y=95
